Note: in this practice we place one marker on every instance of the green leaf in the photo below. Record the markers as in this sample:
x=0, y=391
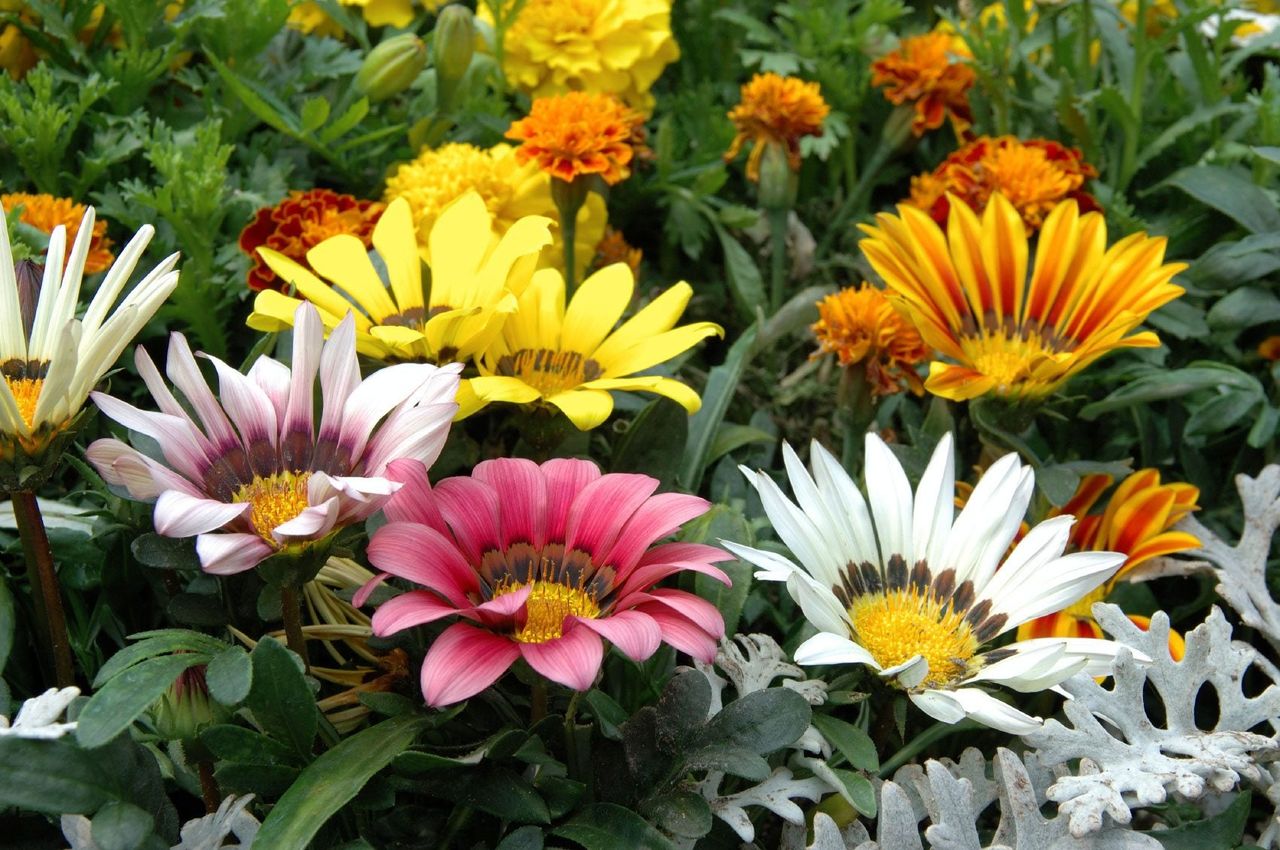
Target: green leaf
x=1244, y=308
x=1201, y=116
x=681, y=813
x=151, y=644
x=723, y=522
x=606, y=826
x=745, y=281
x=267, y=781
x=121, y=826
x=280, y=699
x=725, y=758
x=852, y=743
x=345, y=122
x=238, y=744
x=495, y=790
x=229, y=676
x=333, y=780
x=722, y=384
x=524, y=838
x=276, y=116
x=315, y=111
x=682, y=711
x=732, y=436
x=762, y=721
x=1221, y=830
x=1159, y=385
x=122, y=700
x=55, y=777
x=654, y=441
x=1229, y=193
x=8, y=622
x=608, y=714
x=165, y=553
x=1226, y=265
x=859, y=791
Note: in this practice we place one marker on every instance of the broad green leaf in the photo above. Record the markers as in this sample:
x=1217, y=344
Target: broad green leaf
x=682, y=711
x=121, y=826
x=229, y=676
x=333, y=780
x=726, y=758
x=608, y=714
x=681, y=813
x=55, y=777
x=495, y=790
x=762, y=721
x=1222, y=413
x=524, y=838
x=238, y=744
x=745, y=281
x=267, y=781
x=733, y=436
x=722, y=384
x=654, y=442
x=114, y=707
x=1231, y=194
x=723, y=522
x=315, y=111
x=606, y=826
x=151, y=644
x=1159, y=385
x=165, y=553
x=1226, y=265
x=854, y=744
x=280, y=699
x=859, y=791
x=1244, y=308
x=1221, y=830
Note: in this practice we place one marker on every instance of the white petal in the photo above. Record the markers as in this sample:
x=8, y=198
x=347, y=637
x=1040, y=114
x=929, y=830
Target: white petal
x=13, y=337
x=248, y=406
x=228, y=554
x=889, y=493
x=909, y=673
x=1060, y=583
x=987, y=509
x=940, y=705
x=773, y=567
x=935, y=505
x=988, y=710
x=47, y=322
x=818, y=604
x=796, y=529
x=828, y=648
x=846, y=501
x=180, y=515
x=313, y=523
x=339, y=375
x=273, y=378
x=818, y=509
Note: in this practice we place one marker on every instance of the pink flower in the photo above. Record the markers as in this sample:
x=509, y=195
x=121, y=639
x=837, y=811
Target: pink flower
x=252, y=478
x=541, y=563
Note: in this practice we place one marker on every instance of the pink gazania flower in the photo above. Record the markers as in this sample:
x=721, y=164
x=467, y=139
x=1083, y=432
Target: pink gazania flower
x=540, y=563
x=252, y=478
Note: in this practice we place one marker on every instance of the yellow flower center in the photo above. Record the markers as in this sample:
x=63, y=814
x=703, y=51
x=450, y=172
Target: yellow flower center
x=896, y=626
x=548, y=604
x=1011, y=361
x=547, y=371
x=27, y=392
x=276, y=499
x=1029, y=179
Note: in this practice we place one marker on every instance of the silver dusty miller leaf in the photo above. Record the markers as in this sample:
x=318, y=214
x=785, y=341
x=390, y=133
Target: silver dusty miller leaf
x=1126, y=760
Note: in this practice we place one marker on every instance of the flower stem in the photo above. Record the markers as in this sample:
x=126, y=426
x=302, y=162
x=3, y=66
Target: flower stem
x=856, y=411
x=538, y=701
x=35, y=545
x=921, y=742
x=208, y=787
x=778, y=219
x=291, y=611
x=569, y=196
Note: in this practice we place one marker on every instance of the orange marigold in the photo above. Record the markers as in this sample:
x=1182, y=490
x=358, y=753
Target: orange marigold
x=578, y=133
x=1035, y=175
x=859, y=325
x=929, y=71
x=45, y=212
x=776, y=110
x=301, y=221
x=1269, y=348
x=613, y=248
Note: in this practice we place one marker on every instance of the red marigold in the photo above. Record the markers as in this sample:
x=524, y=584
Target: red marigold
x=301, y=221
x=924, y=71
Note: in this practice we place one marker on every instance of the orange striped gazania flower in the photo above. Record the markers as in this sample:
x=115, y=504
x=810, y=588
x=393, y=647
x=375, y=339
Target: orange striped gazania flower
x=1137, y=522
x=1008, y=333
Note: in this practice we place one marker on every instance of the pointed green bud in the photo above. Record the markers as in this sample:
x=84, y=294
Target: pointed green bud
x=452, y=43
x=391, y=67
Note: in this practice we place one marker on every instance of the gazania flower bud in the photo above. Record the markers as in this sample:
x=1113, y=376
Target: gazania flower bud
x=186, y=709
x=452, y=44
x=28, y=274
x=391, y=67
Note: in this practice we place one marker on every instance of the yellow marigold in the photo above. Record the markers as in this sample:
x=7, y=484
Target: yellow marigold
x=930, y=72
x=17, y=56
x=577, y=133
x=1033, y=175
x=613, y=248
x=509, y=190
x=859, y=325
x=616, y=47
x=311, y=19
x=45, y=212
x=776, y=110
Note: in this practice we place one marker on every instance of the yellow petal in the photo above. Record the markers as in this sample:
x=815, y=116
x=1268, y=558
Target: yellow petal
x=659, y=315
x=658, y=349
x=272, y=311
x=957, y=382
x=344, y=260
x=397, y=245
x=492, y=388
x=682, y=394
x=586, y=409
x=311, y=287
x=461, y=237
x=596, y=307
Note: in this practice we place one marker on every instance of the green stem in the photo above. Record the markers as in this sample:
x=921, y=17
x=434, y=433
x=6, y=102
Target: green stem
x=569, y=226
x=1129, y=159
x=777, y=257
x=857, y=410
x=537, y=701
x=569, y=196
x=44, y=584
x=291, y=611
x=923, y=741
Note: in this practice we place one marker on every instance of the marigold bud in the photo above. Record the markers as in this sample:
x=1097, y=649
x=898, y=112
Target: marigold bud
x=778, y=181
x=452, y=43
x=391, y=67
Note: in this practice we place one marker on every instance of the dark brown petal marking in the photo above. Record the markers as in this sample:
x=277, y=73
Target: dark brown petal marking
x=945, y=584
x=963, y=597
x=920, y=576
x=896, y=575
x=979, y=613
x=996, y=655
x=411, y=318
x=29, y=369
x=990, y=627
x=871, y=579
x=227, y=474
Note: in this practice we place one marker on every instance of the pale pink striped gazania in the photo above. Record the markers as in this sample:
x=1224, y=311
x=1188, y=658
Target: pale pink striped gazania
x=250, y=476
x=540, y=563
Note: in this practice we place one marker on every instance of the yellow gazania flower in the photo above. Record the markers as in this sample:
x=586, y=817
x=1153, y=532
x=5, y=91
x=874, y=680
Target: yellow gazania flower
x=1021, y=337
x=475, y=278
x=510, y=190
x=570, y=359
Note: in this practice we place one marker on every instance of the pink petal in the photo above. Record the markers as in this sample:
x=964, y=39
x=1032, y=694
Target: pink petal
x=228, y=554
x=375, y=397
x=522, y=498
x=464, y=661
x=415, y=501
x=272, y=377
x=366, y=590
x=507, y=604
x=339, y=376
x=681, y=632
x=416, y=433
x=572, y=660
x=180, y=515
x=643, y=578
x=408, y=610
x=655, y=519
x=169, y=404
x=252, y=412
x=124, y=466
x=426, y=557
x=566, y=477
x=297, y=420
x=177, y=437
x=182, y=369
x=470, y=507
x=314, y=522
x=703, y=614
x=601, y=508
x=634, y=633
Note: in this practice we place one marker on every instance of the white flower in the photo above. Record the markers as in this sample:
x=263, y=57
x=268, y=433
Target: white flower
x=1251, y=25
x=893, y=582
x=38, y=716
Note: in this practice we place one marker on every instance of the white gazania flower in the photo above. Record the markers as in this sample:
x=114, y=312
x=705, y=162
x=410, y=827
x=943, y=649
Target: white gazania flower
x=49, y=359
x=891, y=581
x=254, y=477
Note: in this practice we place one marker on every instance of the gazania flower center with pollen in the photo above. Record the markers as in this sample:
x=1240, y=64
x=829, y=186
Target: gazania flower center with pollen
x=26, y=391
x=1009, y=360
x=547, y=371
x=548, y=604
x=897, y=626
x=275, y=500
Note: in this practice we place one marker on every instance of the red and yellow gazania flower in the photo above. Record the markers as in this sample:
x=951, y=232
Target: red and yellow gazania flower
x=45, y=213
x=1017, y=335
x=540, y=563
x=1034, y=175
x=577, y=134
x=932, y=73
x=299, y=223
x=254, y=477
x=776, y=110
x=571, y=358
x=860, y=326
x=1137, y=522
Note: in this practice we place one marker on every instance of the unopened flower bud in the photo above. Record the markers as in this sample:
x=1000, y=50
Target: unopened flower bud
x=186, y=709
x=391, y=67
x=29, y=275
x=452, y=43
x=778, y=182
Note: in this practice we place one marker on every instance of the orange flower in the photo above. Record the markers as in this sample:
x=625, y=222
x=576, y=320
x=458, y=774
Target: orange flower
x=776, y=110
x=45, y=212
x=613, y=248
x=859, y=325
x=1033, y=175
x=1269, y=348
x=577, y=133
x=300, y=222
x=924, y=71
x=1138, y=522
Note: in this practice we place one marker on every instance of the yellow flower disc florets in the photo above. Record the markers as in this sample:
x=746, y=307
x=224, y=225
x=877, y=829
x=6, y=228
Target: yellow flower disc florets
x=778, y=110
x=548, y=604
x=860, y=325
x=899, y=625
x=274, y=501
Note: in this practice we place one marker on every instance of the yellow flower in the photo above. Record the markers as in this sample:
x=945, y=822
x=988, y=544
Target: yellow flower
x=969, y=294
x=859, y=325
x=616, y=47
x=310, y=18
x=510, y=190
x=475, y=278
x=571, y=358
x=45, y=212
x=776, y=110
